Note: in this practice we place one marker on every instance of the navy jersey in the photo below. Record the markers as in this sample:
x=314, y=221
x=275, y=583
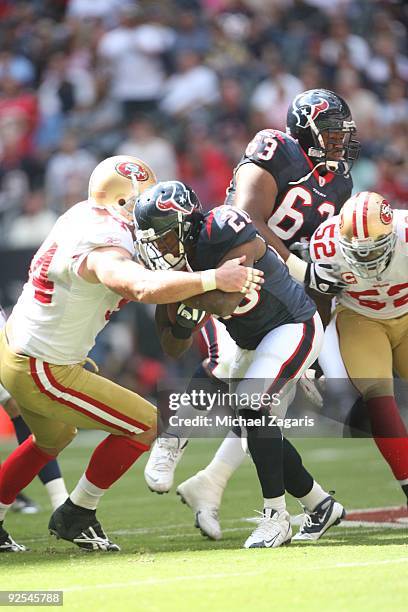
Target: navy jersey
x=281, y=299
x=299, y=208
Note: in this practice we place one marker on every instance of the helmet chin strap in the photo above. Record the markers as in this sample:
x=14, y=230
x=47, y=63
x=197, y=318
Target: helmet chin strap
x=320, y=140
x=304, y=178
x=330, y=165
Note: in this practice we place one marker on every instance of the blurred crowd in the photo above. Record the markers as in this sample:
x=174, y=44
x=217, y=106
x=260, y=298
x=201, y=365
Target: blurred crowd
x=183, y=84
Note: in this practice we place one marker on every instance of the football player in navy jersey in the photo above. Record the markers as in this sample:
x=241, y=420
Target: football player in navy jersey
x=288, y=183
x=277, y=329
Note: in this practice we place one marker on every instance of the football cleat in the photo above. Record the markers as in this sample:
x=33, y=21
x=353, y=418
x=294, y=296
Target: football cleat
x=315, y=523
x=273, y=530
x=80, y=526
x=25, y=505
x=7, y=544
x=204, y=499
x=162, y=463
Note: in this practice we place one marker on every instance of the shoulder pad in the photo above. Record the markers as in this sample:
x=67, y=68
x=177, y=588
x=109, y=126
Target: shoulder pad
x=266, y=144
x=103, y=229
x=225, y=228
x=275, y=152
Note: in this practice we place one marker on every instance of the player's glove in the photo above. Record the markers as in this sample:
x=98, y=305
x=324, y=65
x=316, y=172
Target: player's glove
x=320, y=277
x=312, y=384
x=301, y=250
x=187, y=319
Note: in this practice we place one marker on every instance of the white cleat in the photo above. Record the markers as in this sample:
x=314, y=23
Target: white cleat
x=204, y=499
x=314, y=524
x=162, y=463
x=273, y=530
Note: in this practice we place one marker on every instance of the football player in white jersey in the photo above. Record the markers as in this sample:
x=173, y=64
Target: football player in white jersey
x=50, y=475
x=368, y=245
x=83, y=272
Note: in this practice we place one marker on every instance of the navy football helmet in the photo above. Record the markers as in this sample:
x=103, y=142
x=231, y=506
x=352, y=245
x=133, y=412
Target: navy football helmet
x=321, y=122
x=167, y=219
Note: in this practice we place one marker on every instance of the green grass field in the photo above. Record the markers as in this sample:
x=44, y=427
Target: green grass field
x=165, y=563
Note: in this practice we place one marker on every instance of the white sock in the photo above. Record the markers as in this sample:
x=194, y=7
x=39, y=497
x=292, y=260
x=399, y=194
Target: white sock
x=3, y=510
x=57, y=491
x=227, y=459
x=276, y=503
x=314, y=497
x=86, y=494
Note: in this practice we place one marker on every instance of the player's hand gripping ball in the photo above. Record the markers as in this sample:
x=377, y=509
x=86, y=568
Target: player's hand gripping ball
x=185, y=316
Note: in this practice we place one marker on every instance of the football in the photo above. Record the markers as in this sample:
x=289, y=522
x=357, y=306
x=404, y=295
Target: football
x=172, y=311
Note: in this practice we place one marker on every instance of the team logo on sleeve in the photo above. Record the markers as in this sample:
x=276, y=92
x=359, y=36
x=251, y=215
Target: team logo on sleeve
x=129, y=169
x=386, y=213
x=309, y=112
x=180, y=201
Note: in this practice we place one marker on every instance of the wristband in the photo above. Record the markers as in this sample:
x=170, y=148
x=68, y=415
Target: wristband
x=208, y=280
x=297, y=267
x=180, y=332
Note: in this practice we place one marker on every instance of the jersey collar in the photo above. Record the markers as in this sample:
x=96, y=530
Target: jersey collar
x=321, y=180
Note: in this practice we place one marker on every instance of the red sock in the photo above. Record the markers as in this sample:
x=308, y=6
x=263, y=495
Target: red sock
x=19, y=469
x=389, y=433
x=112, y=458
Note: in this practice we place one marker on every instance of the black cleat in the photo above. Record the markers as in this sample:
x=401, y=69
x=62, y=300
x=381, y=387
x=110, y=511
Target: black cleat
x=7, y=544
x=327, y=514
x=80, y=526
x=25, y=505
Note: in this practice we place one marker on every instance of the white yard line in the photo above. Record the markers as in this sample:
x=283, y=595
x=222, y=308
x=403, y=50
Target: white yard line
x=154, y=581
x=218, y=576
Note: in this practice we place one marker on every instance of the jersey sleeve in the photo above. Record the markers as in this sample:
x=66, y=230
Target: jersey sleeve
x=324, y=244
x=105, y=232
x=224, y=229
x=271, y=150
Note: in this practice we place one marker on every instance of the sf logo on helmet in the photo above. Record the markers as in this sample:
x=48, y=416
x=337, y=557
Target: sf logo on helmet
x=129, y=169
x=386, y=213
x=180, y=204
x=309, y=112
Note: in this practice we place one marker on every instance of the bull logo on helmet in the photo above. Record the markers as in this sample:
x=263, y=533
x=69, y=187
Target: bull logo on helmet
x=129, y=169
x=386, y=213
x=309, y=112
x=180, y=204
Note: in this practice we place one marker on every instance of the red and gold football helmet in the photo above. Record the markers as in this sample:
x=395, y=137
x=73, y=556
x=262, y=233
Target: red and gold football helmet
x=367, y=236
x=117, y=181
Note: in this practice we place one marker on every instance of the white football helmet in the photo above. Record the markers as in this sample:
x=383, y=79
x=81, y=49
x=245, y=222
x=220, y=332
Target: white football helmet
x=367, y=237
x=117, y=181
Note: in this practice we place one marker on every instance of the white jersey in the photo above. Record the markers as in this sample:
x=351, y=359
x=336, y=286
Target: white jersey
x=379, y=299
x=4, y=395
x=59, y=314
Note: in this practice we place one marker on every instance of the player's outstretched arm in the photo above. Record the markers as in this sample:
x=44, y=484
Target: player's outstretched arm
x=114, y=268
